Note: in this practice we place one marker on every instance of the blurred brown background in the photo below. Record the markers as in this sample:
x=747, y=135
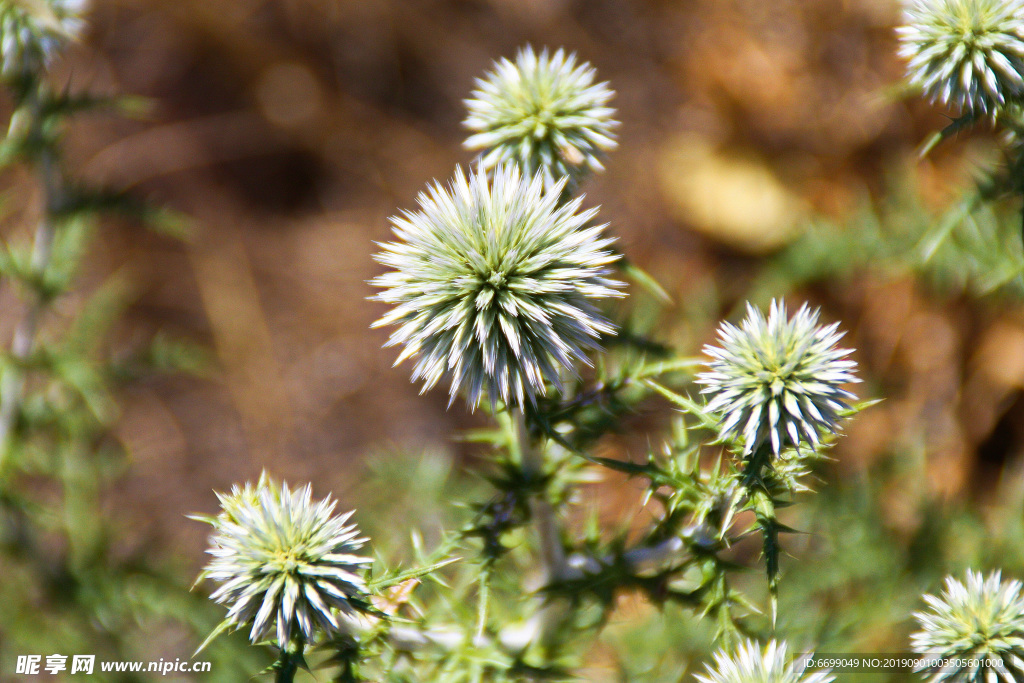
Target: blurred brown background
x=290, y=130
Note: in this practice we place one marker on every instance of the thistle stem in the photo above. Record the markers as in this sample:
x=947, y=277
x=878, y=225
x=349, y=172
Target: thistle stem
x=758, y=460
x=764, y=513
x=646, y=557
x=532, y=461
x=12, y=387
x=551, y=615
x=482, y=599
x=287, y=665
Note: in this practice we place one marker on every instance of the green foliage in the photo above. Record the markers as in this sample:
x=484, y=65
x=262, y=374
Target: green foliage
x=726, y=476
x=970, y=248
x=513, y=573
x=68, y=586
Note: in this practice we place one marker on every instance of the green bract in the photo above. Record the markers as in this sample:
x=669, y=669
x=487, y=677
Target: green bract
x=543, y=112
x=973, y=620
x=749, y=664
x=966, y=53
x=285, y=563
x=32, y=31
x=777, y=379
x=493, y=284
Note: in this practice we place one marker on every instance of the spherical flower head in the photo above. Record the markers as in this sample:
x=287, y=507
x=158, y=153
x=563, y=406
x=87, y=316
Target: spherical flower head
x=973, y=620
x=33, y=31
x=493, y=284
x=967, y=53
x=543, y=112
x=777, y=380
x=286, y=564
x=751, y=664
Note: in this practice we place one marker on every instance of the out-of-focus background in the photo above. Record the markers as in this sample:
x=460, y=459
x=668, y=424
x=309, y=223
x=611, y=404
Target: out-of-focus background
x=288, y=131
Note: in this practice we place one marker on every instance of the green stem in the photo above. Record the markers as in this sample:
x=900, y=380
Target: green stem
x=532, y=461
x=82, y=521
x=483, y=597
x=758, y=460
x=767, y=521
x=12, y=388
x=763, y=506
x=287, y=665
x=551, y=615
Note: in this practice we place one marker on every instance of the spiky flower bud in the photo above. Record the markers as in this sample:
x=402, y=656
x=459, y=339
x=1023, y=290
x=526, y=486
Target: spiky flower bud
x=967, y=53
x=32, y=31
x=973, y=620
x=286, y=565
x=778, y=379
x=493, y=284
x=749, y=664
x=543, y=112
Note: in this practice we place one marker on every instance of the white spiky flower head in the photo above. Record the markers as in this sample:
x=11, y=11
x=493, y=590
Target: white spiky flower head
x=493, y=284
x=33, y=31
x=750, y=664
x=777, y=379
x=543, y=112
x=967, y=53
x=286, y=564
x=975, y=619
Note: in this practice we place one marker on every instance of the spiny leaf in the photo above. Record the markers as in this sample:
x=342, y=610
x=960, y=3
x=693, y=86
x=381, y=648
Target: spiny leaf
x=958, y=124
x=642, y=278
x=414, y=573
x=764, y=512
x=689, y=405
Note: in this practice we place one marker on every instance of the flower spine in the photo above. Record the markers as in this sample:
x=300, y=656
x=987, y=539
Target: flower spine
x=543, y=112
x=285, y=564
x=493, y=283
x=777, y=379
x=968, y=54
x=750, y=664
x=973, y=620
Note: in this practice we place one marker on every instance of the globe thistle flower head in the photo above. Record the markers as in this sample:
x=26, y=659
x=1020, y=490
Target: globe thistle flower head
x=493, y=284
x=543, y=112
x=286, y=564
x=967, y=53
x=751, y=664
x=978, y=618
x=33, y=31
x=777, y=379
